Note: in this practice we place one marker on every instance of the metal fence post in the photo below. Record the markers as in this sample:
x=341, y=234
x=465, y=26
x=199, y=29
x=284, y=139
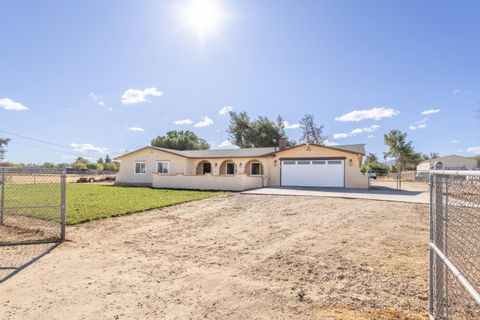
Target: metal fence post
x=2, y=200
x=431, y=254
x=63, y=206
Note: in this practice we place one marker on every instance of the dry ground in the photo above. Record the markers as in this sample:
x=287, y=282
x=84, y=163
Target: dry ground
x=235, y=257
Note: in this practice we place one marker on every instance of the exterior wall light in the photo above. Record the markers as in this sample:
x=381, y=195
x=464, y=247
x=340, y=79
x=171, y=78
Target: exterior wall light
x=216, y=164
x=275, y=163
x=350, y=162
x=240, y=164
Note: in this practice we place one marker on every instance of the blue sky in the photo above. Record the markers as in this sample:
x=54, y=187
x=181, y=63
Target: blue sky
x=71, y=62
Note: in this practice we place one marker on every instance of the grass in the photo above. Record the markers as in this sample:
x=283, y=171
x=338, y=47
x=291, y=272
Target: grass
x=87, y=202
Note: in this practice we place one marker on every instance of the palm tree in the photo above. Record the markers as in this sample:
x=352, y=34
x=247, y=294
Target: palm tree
x=399, y=149
x=3, y=144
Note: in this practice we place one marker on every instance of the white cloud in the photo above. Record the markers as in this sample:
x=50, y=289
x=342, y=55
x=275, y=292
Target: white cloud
x=204, y=123
x=182, y=122
x=341, y=135
x=371, y=136
x=134, y=96
x=372, y=128
x=291, y=126
x=430, y=111
x=455, y=141
x=225, y=110
x=475, y=150
x=356, y=131
x=87, y=147
x=374, y=113
x=96, y=98
x=11, y=105
x=69, y=157
x=330, y=143
x=136, y=129
x=225, y=143
x=456, y=91
x=419, y=124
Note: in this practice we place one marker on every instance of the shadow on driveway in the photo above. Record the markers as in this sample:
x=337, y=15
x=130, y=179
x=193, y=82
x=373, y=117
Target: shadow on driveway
x=14, y=257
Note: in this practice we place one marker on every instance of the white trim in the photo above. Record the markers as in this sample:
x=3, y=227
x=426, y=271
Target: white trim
x=135, y=168
x=259, y=169
x=226, y=168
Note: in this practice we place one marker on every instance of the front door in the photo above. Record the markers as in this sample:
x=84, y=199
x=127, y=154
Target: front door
x=207, y=168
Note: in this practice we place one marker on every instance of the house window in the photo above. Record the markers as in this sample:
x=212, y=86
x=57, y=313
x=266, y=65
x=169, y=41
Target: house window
x=289, y=163
x=163, y=167
x=140, y=167
x=335, y=162
x=318, y=162
x=303, y=162
x=256, y=169
x=230, y=168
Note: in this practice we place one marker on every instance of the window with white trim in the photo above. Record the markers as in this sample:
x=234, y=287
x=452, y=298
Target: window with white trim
x=256, y=169
x=163, y=167
x=140, y=167
x=230, y=168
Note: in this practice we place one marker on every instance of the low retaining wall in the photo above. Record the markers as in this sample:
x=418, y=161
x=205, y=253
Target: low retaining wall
x=238, y=182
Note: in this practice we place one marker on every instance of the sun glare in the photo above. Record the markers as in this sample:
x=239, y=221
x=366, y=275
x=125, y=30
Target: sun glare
x=203, y=16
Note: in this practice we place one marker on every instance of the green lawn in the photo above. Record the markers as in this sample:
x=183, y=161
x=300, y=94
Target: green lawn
x=86, y=202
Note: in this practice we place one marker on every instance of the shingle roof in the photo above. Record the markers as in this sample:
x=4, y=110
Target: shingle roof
x=246, y=152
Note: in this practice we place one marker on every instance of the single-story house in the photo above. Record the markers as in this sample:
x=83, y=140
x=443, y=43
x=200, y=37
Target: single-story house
x=450, y=162
x=241, y=169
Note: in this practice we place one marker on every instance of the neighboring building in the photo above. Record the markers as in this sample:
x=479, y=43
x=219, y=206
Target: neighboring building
x=451, y=162
x=242, y=169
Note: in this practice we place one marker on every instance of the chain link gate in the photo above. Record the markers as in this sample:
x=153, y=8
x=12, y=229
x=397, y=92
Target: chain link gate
x=32, y=206
x=454, y=245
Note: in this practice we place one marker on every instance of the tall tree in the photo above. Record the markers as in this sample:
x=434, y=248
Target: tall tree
x=370, y=158
x=312, y=133
x=399, y=149
x=3, y=144
x=261, y=132
x=180, y=140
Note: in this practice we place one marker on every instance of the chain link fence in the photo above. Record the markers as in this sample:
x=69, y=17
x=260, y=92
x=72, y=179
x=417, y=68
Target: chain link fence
x=454, y=245
x=32, y=206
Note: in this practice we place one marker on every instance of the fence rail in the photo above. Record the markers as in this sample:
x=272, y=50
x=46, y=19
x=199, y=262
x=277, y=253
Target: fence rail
x=454, y=244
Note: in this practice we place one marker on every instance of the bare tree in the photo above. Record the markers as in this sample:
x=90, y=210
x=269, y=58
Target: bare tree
x=311, y=132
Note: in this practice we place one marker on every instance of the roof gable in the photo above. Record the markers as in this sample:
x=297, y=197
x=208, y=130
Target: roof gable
x=351, y=148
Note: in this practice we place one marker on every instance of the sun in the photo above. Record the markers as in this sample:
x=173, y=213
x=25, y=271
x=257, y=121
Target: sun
x=203, y=16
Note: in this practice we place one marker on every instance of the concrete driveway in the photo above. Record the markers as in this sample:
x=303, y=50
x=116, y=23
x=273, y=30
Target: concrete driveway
x=372, y=194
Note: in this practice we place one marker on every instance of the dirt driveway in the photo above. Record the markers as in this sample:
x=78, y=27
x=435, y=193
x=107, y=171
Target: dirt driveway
x=235, y=257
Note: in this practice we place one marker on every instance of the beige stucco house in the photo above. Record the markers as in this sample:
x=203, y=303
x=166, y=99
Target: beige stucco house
x=450, y=162
x=242, y=169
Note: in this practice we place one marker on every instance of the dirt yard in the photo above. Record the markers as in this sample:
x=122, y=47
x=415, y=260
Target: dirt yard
x=235, y=257
x=414, y=186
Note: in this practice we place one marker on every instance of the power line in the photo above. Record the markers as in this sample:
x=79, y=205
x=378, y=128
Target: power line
x=43, y=148
x=49, y=143
x=37, y=140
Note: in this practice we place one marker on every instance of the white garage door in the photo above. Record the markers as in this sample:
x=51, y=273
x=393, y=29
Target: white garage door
x=313, y=173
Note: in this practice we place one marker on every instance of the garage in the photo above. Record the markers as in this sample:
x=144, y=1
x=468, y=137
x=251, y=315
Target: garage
x=313, y=172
